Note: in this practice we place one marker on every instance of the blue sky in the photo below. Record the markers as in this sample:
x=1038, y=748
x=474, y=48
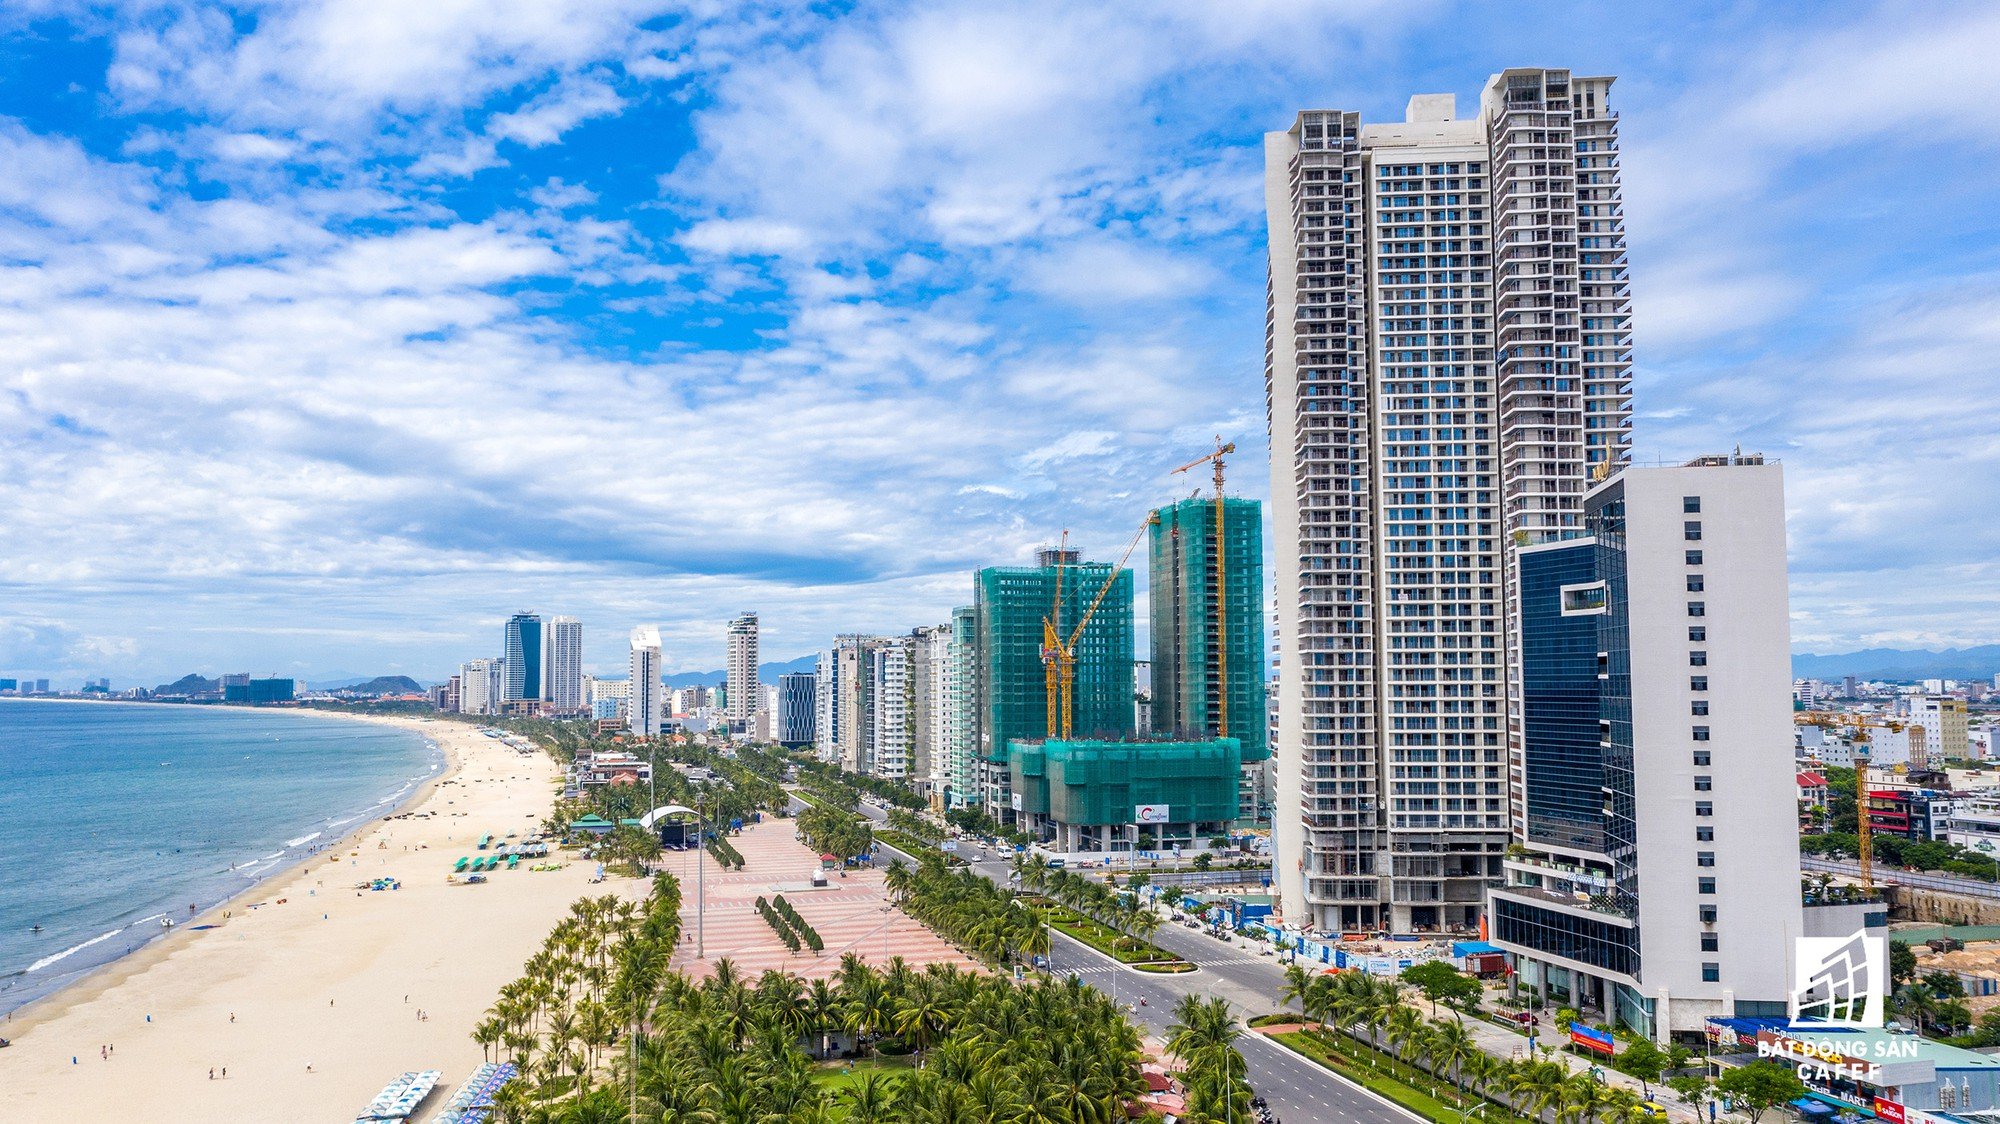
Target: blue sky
x=332, y=333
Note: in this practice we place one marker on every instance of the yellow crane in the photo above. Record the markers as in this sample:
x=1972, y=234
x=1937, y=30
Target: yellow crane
x=1221, y=588
x=1059, y=652
x=1861, y=724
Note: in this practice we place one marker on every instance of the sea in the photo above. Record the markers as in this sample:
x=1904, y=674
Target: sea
x=116, y=817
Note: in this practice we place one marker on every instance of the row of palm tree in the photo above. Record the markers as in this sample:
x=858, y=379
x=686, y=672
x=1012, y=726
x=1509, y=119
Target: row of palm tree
x=1124, y=911
x=604, y=1030
x=1370, y=1009
x=967, y=910
x=594, y=980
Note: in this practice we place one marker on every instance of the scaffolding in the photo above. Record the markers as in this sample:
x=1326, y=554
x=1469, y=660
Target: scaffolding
x=1100, y=783
x=1208, y=649
x=1009, y=609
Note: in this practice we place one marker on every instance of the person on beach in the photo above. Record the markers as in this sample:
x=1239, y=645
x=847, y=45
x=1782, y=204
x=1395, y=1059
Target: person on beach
x=211, y=1073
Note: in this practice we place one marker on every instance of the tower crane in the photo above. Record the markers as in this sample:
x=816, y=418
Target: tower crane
x=1221, y=588
x=1861, y=724
x=1059, y=652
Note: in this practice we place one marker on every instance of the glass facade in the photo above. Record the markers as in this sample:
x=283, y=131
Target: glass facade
x=1601, y=944
x=1605, y=516
x=1565, y=766
x=521, y=647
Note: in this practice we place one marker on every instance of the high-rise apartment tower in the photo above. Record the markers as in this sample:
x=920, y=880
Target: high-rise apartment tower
x=742, y=693
x=643, y=694
x=562, y=664
x=1447, y=366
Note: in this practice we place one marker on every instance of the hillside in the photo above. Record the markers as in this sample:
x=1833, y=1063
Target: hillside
x=1980, y=662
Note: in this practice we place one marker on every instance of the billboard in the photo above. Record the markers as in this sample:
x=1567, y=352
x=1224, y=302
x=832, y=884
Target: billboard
x=1149, y=813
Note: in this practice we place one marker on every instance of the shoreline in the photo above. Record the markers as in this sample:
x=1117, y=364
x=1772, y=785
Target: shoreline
x=308, y=1004
x=20, y=1019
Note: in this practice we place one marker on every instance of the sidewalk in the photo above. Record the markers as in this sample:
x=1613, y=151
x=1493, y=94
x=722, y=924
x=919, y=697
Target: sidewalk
x=1503, y=1043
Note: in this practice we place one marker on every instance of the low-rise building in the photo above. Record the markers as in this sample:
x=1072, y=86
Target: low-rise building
x=1094, y=797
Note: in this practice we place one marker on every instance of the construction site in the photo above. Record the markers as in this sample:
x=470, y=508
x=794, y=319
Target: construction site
x=1072, y=752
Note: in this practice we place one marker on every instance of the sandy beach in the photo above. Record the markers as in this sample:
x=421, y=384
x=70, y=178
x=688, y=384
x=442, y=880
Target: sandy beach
x=332, y=979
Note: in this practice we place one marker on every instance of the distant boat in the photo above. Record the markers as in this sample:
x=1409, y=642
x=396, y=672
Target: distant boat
x=34, y=928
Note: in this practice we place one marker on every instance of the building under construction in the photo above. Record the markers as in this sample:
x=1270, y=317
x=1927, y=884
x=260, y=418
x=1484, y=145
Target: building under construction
x=1082, y=797
x=1206, y=568
x=1009, y=609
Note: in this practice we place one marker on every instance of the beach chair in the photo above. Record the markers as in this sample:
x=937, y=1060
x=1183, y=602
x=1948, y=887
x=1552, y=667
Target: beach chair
x=513, y=861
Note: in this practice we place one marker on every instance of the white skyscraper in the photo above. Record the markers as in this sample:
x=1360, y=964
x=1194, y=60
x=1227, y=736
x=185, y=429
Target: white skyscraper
x=890, y=742
x=826, y=704
x=643, y=694
x=562, y=664
x=1658, y=881
x=1447, y=365
x=479, y=687
x=742, y=669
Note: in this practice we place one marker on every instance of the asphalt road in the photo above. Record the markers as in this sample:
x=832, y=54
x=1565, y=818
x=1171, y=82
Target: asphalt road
x=1926, y=880
x=1297, y=1090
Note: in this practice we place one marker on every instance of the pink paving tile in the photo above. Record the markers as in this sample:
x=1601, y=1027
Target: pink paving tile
x=852, y=915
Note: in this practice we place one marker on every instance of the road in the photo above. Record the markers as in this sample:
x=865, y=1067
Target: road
x=1926, y=880
x=1297, y=1090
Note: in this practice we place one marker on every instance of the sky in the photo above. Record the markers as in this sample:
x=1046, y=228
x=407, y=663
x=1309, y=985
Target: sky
x=332, y=333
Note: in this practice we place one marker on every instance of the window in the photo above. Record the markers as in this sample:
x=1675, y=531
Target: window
x=1704, y=783
x=1701, y=759
x=1711, y=942
x=1711, y=972
x=1694, y=583
x=1704, y=808
x=1708, y=915
x=1583, y=600
x=1704, y=885
x=1691, y=504
x=1694, y=557
x=1699, y=707
x=1691, y=530
x=1701, y=733
x=1704, y=858
x=1698, y=682
x=1698, y=659
x=1704, y=834
x=1698, y=633
x=1697, y=608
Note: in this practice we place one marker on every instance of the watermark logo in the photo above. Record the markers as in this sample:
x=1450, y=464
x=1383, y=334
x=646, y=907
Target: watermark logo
x=1840, y=981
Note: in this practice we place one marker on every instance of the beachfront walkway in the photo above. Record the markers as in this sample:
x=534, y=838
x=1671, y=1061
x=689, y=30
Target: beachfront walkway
x=853, y=914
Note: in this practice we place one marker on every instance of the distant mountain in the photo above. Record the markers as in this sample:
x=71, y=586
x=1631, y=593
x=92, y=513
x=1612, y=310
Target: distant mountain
x=1979, y=662
x=383, y=685
x=766, y=673
x=190, y=684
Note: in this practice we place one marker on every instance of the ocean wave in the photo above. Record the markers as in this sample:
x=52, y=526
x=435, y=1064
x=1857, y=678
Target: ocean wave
x=76, y=948
x=302, y=840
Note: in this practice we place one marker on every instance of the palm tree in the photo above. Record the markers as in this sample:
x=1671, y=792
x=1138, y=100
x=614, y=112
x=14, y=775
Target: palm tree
x=871, y=1099
x=1298, y=981
x=1402, y=1027
x=1449, y=1047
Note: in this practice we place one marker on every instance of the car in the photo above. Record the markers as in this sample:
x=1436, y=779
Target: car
x=1653, y=1109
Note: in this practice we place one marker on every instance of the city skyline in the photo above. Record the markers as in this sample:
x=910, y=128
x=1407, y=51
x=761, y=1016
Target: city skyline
x=267, y=421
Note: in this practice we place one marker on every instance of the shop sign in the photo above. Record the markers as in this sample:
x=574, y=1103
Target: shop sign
x=1889, y=1110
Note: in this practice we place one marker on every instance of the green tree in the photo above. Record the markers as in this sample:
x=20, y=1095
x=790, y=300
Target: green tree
x=1902, y=963
x=1760, y=1087
x=1643, y=1060
x=1440, y=982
